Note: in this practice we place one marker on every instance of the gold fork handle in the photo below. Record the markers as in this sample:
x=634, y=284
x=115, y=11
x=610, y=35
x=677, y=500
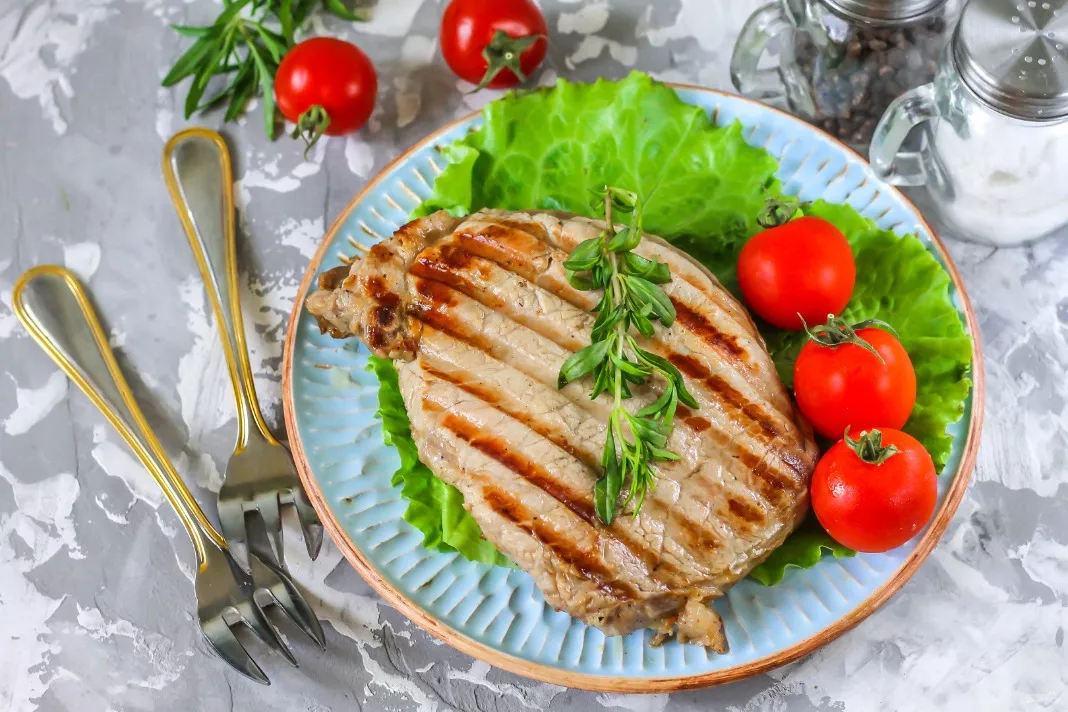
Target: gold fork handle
x=197, y=167
x=54, y=308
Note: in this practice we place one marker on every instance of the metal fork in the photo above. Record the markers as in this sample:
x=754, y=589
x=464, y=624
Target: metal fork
x=260, y=476
x=54, y=308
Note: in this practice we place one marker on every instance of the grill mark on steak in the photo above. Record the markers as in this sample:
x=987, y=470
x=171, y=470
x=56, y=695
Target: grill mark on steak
x=698, y=424
x=770, y=434
x=697, y=536
x=583, y=561
x=746, y=512
x=741, y=515
x=770, y=484
x=730, y=308
x=494, y=398
x=724, y=344
x=377, y=290
x=447, y=263
x=701, y=287
x=534, y=229
x=488, y=349
x=728, y=395
x=580, y=504
x=456, y=272
x=497, y=449
x=427, y=268
x=518, y=250
x=515, y=250
x=432, y=307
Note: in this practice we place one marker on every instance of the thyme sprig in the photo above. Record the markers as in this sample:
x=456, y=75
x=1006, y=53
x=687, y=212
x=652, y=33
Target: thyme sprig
x=632, y=299
x=244, y=45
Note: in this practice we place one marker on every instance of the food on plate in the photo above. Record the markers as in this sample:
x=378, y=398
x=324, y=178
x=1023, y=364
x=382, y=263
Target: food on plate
x=480, y=315
x=798, y=270
x=493, y=43
x=435, y=508
x=857, y=377
x=876, y=492
x=325, y=85
x=702, y=190
x=244, y=45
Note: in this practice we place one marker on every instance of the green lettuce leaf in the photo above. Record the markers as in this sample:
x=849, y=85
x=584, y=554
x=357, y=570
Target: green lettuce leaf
x=702, y=186
x=434, y=508
x=803, y=548
x=554, y=148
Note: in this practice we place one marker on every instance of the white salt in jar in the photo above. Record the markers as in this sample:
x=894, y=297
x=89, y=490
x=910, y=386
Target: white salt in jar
x=994, y=152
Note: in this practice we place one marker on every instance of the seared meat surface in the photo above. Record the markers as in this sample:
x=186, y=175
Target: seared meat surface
x=479, y=316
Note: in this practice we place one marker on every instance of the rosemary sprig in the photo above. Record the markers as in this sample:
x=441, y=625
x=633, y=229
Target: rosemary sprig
x=244, y=46
x=632, y=299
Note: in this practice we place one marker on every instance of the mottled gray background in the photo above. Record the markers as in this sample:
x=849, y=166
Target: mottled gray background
x=96, y=607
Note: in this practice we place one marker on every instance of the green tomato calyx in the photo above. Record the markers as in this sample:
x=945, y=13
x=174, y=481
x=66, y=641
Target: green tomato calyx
x=869, y=446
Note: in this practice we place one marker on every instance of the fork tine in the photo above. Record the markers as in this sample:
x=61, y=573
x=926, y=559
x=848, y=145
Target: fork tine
x=290, y=600
x=282, y=590
x=268, y=510
x=226, y=645
x=232, y=519
x=253, y=617
x=310, y=526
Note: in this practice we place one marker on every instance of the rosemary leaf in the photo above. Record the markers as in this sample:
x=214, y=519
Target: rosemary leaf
x=245, y=44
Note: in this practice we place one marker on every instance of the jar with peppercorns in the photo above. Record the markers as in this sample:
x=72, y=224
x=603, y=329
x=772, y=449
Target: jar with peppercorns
x=841, y=62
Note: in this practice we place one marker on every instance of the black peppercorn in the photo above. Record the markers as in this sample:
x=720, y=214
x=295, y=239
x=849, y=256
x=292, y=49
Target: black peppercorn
x=852, y=79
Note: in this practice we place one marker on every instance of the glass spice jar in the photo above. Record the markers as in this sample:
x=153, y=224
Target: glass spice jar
x=841, y=62
x=993, y=127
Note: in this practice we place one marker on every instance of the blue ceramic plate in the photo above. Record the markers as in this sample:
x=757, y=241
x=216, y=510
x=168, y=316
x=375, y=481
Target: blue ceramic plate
x=498, y=614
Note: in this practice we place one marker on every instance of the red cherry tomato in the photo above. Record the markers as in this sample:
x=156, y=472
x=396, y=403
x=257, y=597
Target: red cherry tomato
x=493, y=43
x=802, y=267
x=326, y=85
x=870, y=505
x=846, y=386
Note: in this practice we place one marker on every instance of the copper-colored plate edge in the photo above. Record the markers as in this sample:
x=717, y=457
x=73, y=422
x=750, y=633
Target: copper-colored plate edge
x=605, y=683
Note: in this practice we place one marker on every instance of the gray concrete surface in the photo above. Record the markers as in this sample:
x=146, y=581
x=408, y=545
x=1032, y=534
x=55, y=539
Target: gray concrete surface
x=95, y=601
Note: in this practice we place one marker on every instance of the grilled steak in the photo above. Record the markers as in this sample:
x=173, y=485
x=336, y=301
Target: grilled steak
x=479, y=316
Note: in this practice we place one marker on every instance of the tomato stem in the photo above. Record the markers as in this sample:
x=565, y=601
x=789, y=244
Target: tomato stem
x=504, y=52
x=778, y=211
x=837, y=332
x=869, y=447
x=311, y=125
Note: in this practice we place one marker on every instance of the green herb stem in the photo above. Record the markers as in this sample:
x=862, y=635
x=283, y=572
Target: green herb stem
x=242, y=46
x=631, y=298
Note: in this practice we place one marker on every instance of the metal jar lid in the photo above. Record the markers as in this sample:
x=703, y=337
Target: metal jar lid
x=1014, y=55
x=883, y=11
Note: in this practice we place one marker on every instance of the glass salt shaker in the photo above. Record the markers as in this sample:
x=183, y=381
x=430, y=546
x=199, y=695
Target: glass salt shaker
x=993, y=154
x=841, y=62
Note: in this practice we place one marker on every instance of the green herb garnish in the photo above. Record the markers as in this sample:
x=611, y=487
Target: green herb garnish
x=632, y=298
x=245, y=45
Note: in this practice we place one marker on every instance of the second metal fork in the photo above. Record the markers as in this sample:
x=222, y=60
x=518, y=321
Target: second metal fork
x=260, y=476
x=54, y=308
